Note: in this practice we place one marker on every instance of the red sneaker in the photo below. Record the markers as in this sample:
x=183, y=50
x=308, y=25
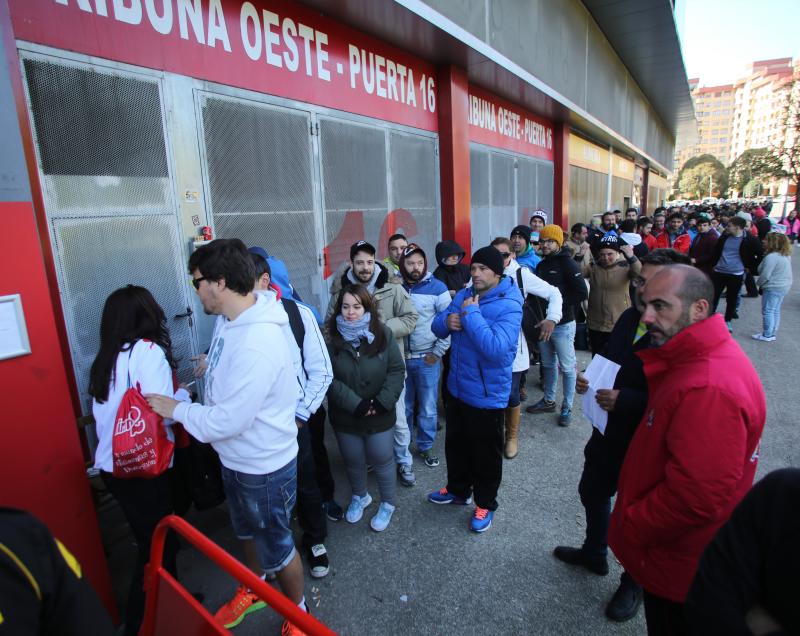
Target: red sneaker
x=244, y=602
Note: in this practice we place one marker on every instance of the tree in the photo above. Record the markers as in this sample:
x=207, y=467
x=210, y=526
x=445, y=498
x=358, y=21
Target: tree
x=787, y=145
x=693, y=178
x=754, y=164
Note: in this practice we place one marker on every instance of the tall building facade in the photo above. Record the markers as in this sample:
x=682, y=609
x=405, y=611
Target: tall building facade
x=746, y=114
x=760, y=105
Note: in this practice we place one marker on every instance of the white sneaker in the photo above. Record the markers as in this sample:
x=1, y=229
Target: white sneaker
x=381, y=520
x=356, y=508
x=763, y=338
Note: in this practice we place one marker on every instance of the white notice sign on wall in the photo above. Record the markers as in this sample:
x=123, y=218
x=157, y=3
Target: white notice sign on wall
x=13, y=332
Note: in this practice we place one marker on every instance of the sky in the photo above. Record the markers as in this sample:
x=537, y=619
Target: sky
x=721, y=37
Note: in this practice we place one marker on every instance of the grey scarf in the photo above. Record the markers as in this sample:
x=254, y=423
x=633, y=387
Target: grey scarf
x=353, y=331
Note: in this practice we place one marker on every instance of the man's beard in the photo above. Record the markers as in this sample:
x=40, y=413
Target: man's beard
x=364, y=275
x=679, y=326
x=415, y=276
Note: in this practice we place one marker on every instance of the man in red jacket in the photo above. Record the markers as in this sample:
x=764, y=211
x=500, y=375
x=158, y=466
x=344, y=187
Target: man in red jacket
x=694, y=455
x=675, y=236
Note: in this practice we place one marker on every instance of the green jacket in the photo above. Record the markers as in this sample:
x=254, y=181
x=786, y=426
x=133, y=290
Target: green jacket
x=357, y=377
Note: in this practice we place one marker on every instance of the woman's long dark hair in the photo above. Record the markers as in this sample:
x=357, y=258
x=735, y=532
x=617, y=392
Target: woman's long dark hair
x=375, y=326
x=130, y=314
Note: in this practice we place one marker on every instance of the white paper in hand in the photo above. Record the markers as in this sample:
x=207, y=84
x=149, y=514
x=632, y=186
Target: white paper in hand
x=601, y=374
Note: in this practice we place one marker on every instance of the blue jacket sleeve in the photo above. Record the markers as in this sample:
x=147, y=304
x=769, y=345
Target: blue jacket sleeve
x=494, y=340
x=439, y=324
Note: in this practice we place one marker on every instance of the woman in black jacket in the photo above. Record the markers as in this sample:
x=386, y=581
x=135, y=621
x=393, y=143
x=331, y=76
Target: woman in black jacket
x=368, y=377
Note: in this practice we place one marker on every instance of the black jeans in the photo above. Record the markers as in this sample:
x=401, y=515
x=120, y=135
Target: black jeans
x=446, y=397
x=322, y=465
x=598, y=340
x=309, y=499
x=474, y=450
x=144, y=503
x=596, y=488
x=664, y=617
x=731, y=284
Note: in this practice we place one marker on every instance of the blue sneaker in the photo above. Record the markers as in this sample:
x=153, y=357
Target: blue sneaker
x=444, y=497
x=481, y=520
x=356, y=508
x=381, y=520
x=565, y=416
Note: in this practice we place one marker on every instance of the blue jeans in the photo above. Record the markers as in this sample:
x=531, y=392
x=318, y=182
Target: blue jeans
x=260, y=507
x=402, y=434
x=559, y=349
x=422, y=387
x=771, y=311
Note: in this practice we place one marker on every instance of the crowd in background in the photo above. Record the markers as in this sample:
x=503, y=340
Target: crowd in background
x=403, y=342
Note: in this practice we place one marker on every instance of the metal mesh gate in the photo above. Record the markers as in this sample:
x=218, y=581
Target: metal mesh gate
x=260, y=181
x=376, y=182
x=504, y=190
x=104, y=171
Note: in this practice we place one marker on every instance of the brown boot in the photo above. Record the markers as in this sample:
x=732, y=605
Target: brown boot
x=512, y=432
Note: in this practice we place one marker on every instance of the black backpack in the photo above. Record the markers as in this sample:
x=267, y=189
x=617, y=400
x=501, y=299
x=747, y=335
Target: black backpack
x=296, y=323
x=532, y=312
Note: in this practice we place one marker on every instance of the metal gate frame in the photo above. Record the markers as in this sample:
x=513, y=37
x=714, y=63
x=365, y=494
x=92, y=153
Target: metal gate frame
x=32, y=51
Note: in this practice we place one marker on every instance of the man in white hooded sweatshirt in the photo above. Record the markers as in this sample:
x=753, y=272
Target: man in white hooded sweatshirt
x=248, y=416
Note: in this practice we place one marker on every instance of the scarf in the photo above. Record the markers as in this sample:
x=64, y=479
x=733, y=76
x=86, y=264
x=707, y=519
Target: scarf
x=370, y=285
x=352, y=332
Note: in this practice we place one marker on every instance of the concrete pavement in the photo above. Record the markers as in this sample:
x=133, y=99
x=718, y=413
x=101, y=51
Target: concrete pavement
x=427, y=574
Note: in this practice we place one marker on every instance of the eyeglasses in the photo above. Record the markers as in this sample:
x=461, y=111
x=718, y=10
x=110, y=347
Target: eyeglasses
x=505, y=255
x=196, y=282
x=638, y=281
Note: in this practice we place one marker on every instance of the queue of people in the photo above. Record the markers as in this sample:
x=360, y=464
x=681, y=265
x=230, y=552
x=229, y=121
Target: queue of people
x=396, y=335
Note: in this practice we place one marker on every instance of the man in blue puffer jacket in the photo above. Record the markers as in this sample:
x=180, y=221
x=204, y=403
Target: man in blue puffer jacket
x=483, y=322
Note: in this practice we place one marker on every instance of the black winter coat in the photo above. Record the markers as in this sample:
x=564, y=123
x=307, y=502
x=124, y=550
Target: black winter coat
x=607, y=452
x=560, y=270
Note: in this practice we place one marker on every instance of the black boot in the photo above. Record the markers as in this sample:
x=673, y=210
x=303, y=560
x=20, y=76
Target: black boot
x=626, y=600
x=576, y=556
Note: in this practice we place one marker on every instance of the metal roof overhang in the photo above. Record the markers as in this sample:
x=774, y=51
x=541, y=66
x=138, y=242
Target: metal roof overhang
x=645, y=36
x=416, y=27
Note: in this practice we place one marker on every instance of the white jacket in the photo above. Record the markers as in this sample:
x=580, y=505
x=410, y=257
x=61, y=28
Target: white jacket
x=532, y=284
x=250, y=392
x=148, y=367
x=312, y=367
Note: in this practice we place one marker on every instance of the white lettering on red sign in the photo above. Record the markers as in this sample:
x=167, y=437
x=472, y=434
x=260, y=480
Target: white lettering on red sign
x=507, y=123
x=278, y=41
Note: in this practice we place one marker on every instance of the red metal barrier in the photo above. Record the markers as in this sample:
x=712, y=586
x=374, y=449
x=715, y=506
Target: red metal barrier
x=170, y=609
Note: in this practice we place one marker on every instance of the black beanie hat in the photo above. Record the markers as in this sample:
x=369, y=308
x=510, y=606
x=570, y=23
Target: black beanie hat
x=361, y=246
x=524, y=231
x=490, y=256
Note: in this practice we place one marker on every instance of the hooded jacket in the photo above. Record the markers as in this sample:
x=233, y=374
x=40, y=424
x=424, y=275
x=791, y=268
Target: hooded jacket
x=529, y=259
x=609, y=290
x=250, y=392
x=702, y=250
x=430, y=297
x=692, y=459
x=394, y=304
x=482, y=352
x=455, y=277
x=561, y=271
x=680, y=243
